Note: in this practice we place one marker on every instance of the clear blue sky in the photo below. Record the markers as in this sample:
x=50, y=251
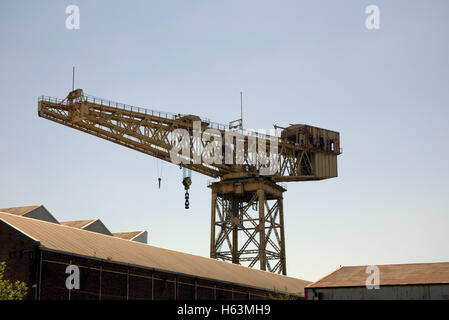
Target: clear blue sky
x=314, y=62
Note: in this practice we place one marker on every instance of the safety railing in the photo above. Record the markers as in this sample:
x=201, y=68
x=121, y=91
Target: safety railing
x=156, y=113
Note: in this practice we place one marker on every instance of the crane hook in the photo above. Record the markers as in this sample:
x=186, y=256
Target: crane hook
x=187, y=182
x=159, y=167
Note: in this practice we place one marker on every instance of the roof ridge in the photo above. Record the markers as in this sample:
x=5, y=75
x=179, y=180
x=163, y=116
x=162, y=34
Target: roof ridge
x=33, y=219
x=18, y=229
x=138, y=234
x=29, y=209
x=130, y=231
x=396, y=264
x=75, y=228
x=80, y=220
x=93, y=221
x=328, y=275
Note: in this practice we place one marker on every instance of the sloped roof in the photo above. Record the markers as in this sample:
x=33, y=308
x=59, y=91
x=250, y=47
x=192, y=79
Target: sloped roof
x=20, y=211
x=36, y=212
x=127, y=235
x=95, y=225
x=394, y=274
x=71, y=240
x=77, y=223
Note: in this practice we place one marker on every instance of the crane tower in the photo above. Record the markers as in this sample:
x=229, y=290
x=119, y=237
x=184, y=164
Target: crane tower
x=247, y=212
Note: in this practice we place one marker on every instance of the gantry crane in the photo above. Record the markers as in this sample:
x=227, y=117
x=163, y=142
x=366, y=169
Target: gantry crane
x=247, y=215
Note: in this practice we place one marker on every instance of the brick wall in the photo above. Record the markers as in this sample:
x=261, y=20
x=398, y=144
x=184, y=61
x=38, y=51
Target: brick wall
x=108, y=280
x=21, y=256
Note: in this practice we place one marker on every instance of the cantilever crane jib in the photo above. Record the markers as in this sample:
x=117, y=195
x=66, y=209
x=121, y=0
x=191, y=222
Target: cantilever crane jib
x=305, y=152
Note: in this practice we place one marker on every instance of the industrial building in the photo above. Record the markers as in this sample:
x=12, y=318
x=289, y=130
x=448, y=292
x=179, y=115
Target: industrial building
x=110, y=266
x=423, y=281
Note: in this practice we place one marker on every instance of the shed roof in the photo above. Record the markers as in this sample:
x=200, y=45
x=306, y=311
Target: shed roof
x=35, y=211
x=20, y=211
x=393, y=274
x=65, y=239
x=77, y=223
x=127, y=235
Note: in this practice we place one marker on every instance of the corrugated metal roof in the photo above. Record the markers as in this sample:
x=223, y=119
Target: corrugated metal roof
x=94, y=225
x=20, y=211
x=67, y=239
x=394, y=274
x=77, y=223
x=35, y=212
x=127, y=235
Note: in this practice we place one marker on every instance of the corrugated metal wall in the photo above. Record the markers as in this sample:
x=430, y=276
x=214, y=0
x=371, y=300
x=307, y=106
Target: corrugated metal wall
x=324, y=165
x=399, y=292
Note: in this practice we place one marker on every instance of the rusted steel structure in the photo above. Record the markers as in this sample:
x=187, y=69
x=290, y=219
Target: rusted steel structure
x=248, y=219
x=304, y=153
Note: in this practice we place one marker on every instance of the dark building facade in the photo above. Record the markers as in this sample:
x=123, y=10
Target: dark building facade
x=43, y=265
x=418, y=281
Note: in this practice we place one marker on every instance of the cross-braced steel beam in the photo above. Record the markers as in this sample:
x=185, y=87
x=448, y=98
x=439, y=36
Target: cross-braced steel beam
x=247, y=224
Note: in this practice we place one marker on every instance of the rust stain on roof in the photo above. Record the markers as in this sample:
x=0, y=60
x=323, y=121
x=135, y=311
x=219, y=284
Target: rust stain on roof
x=394, y=274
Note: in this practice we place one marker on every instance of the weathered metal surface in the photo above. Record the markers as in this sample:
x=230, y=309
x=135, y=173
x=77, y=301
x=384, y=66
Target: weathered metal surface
x=247, y=225
x=395, y=281
x=390, y=292
x=94, y=225
x=313, y=138
x=138, y=236
x=44, y=272
x=150, y=132
x=91, y=245
x=393, y=274
x=36, y=212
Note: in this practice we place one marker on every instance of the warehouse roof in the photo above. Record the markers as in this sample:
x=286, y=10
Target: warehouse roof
x=78, y=223
x=393, y=274
x=36, y=212
x=65, y=239
x=127, y=235
x=20, y=211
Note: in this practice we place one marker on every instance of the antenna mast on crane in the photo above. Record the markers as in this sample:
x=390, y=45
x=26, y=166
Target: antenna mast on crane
x=73, y=78
x=238, y=124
